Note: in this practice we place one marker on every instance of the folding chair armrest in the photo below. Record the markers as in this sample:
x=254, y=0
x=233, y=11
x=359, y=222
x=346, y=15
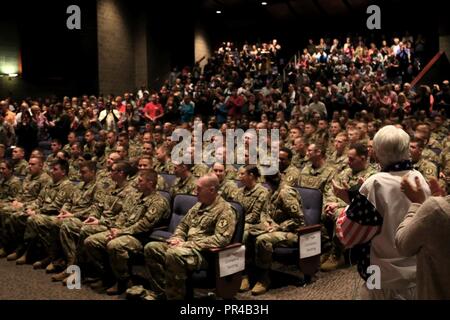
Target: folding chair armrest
x=230, y=246
x=309, y=229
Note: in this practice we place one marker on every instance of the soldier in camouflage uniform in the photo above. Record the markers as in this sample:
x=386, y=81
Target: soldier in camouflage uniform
x=111, y=140
x=140, y=215
x=425, y=167
x=75, y=211
x=71, y=138
x=20, y=164
x=55, y=146
x=278, y=228
x=33, y=183
x=101, y=216
x=209, y=224
x=352, y=177
x=299, y=158
x=230, y=170
x=445, y=169
x=74, y=162
x=163, y=163
x=227, y=189
x=289, y=173
x=317, y=174
x=254, y=199
x=89, y=138
x=423, y=132
x=145, y=163
x=198, y=169
x=104, y=175
x=10, y=187
x=185, y=183
x=338, y=159
x=38, y=220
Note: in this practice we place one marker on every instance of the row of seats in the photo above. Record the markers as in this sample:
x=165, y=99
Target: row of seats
x=227, y=287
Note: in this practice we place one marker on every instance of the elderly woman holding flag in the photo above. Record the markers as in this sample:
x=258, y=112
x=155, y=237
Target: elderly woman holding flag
x=368, y=225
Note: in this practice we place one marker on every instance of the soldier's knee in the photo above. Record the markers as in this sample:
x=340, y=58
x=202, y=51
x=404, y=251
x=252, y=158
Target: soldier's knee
x=89, y=242
x=150, y=249
x=263, y=241
x=114, y=245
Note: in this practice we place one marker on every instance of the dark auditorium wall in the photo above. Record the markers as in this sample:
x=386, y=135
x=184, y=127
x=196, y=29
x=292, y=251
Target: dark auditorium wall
x=55, y=60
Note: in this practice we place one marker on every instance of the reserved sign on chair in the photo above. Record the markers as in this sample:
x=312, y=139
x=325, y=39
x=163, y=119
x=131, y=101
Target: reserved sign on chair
x=309, y=245
x=232, y=261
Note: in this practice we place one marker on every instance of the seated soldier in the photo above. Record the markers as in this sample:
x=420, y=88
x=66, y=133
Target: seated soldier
x=33, y=183
x=227, y=189
x=427, y=168
x=129, y=231
x=10, y=187
x=38, y=220
x=198, y=169
x=254, y=199
x=289, y=173
x=317, y=174
x=209, y=224
x=163, y=163
x=185, y=181
x=352, y=178
x=145, y=163
x=76, y=210
x=338, y=158
x=20, y=164
x=106, y=207
x=278, y=228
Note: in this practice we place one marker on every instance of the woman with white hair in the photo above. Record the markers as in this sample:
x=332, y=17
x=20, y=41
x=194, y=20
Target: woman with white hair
x=369, y=223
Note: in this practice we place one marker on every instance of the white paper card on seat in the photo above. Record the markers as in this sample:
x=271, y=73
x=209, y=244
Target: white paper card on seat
x=309, y=245
x=231, y=261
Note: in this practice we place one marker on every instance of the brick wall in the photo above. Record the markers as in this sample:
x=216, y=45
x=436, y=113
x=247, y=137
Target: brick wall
x=116, y=54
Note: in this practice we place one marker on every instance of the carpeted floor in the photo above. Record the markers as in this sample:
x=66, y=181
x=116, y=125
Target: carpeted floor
x=24, y=283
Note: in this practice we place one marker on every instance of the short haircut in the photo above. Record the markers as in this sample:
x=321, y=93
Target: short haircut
x=149, y=175
x=124, y=166
x=253, y=170
x=63, y=164
x=90, y=165
x=360, y=148
x=288, y=151
x=419, y=141
x=9, y=163
x=56, y=140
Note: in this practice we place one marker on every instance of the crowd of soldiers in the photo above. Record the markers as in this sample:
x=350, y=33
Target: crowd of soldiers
x=94, y=200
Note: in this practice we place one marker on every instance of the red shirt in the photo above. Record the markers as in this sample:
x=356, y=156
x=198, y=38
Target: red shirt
x=153, y=110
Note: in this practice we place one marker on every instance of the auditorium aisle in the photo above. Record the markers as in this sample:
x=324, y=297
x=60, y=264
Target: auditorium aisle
x=24, y=283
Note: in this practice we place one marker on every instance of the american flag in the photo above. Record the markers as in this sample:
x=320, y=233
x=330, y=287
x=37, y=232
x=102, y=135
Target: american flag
x=359, y=223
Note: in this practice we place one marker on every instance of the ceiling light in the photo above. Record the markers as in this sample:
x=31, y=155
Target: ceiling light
x=218, y=12
x=264, y=3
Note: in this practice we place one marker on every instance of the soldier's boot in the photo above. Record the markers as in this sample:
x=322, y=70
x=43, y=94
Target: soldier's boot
x=150, y=295
x=119, y=287
x=245, y=284
x=60, y=276
x=261, y=286
x=55, y=266
x=12, y=256
x=41, y=264
x=2, y=253
x=324, y=257
x=97, y=284
x=23, y=259
x=334, y=262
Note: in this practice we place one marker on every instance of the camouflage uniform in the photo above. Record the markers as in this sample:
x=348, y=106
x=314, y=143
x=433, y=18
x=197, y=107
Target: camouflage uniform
x=44, y=224
x=67, y=148
x=445, y=168
x=228, y=190
x=338, y=162
x=161, y=184
x=230, y=172
x=167, y=167
x=200, y=229
x=290, y=175
x=20, y=168
x=299, y=161
x=80, y=205
x=9, y=189
x=186, y=186
x=427, y=168
x=31, y=186
x=329, y=241
x=429, y=155
x=317, y=178
x=199, y=170
x=49, y=161
x=74, y=170
x=109, y=150
x=285, y=215
x=105, y=209
x=134, y=151
x=104, y=180
x=89, y=148
x=135, y=222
